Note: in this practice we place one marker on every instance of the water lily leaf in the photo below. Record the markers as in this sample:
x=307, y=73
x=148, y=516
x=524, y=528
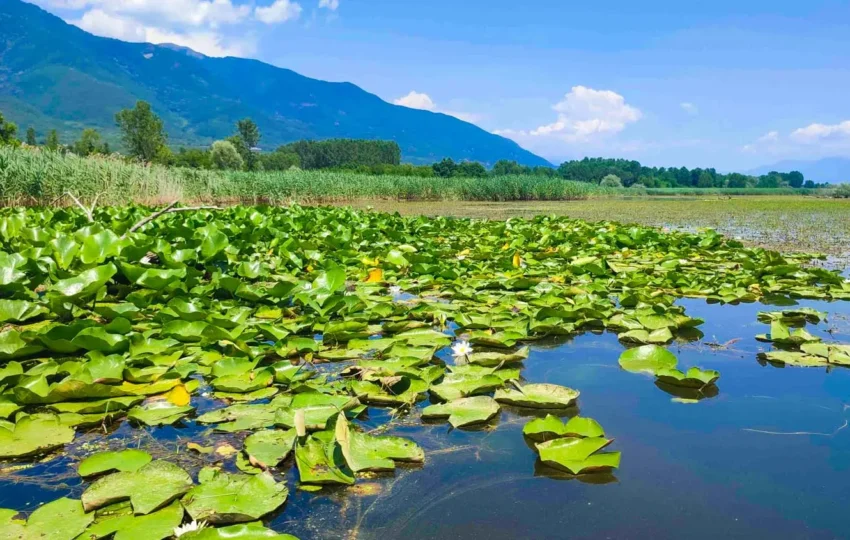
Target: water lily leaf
x=464, y=412
x=170, y=482
x=256, y=395
x=780, y=333
x=17, y=311
x=794, y=358
x=159, y=413
x=365, y=452
x=578, y=455
x=241, y=417
x=62, y=519
x=540, y=396
x=245, y=382
x=492, y=359
x=100, y=246
x=657, y=337
x=458, y=385
x=13, y=346
x=33, y=435
x=647, y=359
x=110, y=405
x=212, y=241
x=551, y=427
x=233, y=498
x=250, y=531
x=8, y=407
x=124, y=460
x=86, y=283
x=126, y=526
x=406, y=390
x=270, y=447
x=693, y=378
x=318, y=409
x=96, y=338
x=320, y=461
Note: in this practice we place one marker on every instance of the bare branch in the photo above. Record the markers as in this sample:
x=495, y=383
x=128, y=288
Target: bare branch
x=168, y=210
x=85, y=210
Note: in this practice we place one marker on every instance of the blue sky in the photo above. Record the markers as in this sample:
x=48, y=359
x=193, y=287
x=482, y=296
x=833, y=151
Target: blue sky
x=728, y=84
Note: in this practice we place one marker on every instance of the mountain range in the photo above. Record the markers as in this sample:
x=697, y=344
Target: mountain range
x=833, y=170
x=54, y=75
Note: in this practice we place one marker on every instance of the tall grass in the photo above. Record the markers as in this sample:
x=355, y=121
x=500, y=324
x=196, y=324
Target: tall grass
x=33, y=176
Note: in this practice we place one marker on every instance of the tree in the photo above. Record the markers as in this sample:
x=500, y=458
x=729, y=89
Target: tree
x=470, y=169
x=142, y=132
x=611, y=180
x=8, y=130
x=52, y=142
x=504, y=167
x=445, y=168
x=194, y=158
x=249, y=132
x=280, y=161
x=89, y=143
x=31, y=140
x=795, y=179
x=225, y=156
x=809, y=184
x=705, y=180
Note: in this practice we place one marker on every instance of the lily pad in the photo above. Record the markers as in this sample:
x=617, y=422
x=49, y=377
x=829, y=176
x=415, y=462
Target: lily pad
x=170, y=482
x=124, y=460
x=159, y=413
x=693, y=378
x=464, y=412
x=62, y=519
x=578, y=455
x=233, y=498
x=126, y=526
x=365, y=452
x=249, y=531
x=33, y=435
x=551, y=427
x=320, y=461
x=270, y=447
x=538, y=396
x=647, y=359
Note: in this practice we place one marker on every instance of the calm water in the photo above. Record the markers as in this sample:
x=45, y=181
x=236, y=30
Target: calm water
x=769, y=456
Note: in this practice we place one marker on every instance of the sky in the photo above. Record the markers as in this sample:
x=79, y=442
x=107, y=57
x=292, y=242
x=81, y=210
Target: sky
x=730, y=84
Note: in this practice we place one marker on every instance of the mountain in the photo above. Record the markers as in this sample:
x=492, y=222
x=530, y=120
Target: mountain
x=835, y=170
x=56, y=76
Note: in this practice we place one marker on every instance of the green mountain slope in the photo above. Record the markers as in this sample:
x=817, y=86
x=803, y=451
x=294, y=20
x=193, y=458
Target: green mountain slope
x=54, y=75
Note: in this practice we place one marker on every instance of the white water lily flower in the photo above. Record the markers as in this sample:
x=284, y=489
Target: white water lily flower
x=189, y=527
x=395, y=290
x=308, y=286
x=145, y=260
x=461, y=348
x=461, y=257
x=300, y=423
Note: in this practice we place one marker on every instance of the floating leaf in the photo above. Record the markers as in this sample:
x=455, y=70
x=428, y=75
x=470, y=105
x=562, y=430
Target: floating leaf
x=62, y=519
x=578, y=455
x=124, y=460
x=647, y=359
x=250, y=531
x=233, y=498
x=33, y=435
x=464, y=412
x=170, y=482
x=540, y=396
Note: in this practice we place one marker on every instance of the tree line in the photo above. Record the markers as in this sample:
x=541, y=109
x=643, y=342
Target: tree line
x=144, y=138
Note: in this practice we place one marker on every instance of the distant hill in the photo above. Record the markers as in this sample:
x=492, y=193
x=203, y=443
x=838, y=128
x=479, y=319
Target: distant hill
x=835, y=170
x=55, y=75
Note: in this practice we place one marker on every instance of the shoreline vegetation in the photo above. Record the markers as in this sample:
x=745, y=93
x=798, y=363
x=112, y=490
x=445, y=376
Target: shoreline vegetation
x=40, y=177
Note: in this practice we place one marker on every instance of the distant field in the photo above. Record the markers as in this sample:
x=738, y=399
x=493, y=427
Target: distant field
x=786, y=223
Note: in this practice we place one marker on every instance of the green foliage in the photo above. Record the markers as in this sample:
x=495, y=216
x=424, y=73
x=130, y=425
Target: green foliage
x=193, y=158
x=842, y=191
x=31, y=138
x=52, y=142
x=611, y=181
x=8, y=130
x=90, y=143
x=225, y=156
x=142, y=132
x=344, y=153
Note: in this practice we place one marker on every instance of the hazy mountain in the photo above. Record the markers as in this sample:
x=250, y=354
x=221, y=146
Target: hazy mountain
x=55, y=75
x=835, y=170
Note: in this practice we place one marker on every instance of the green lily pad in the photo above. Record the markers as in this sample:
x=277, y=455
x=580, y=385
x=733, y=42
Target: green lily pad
x=578, y=455
x=109, y=405
x=538, y=396
x=647, y=359
x=119, y=520
x=249, y=531
x=551, y=427
x=464, y=412
x=124, y=460
x=159, y=413
x=493, y=359
x=270, y=447
x=233, y=498
x=320, y=461
x=34, y=435
x=241, y=417
x=62, y=519
x=169, y=480
x=18, y=311
x=365, y=452
x=693, y=378
x=457, y=385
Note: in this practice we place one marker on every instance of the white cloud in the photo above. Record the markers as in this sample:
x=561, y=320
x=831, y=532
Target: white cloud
x=329, y=4
x=418, y=100
x=822, y=132
x=280, y=11
x=206, y=42
x=766, y=142
x=587, y=119
x=689, y=108
x=164, y=12
x=586, y=113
